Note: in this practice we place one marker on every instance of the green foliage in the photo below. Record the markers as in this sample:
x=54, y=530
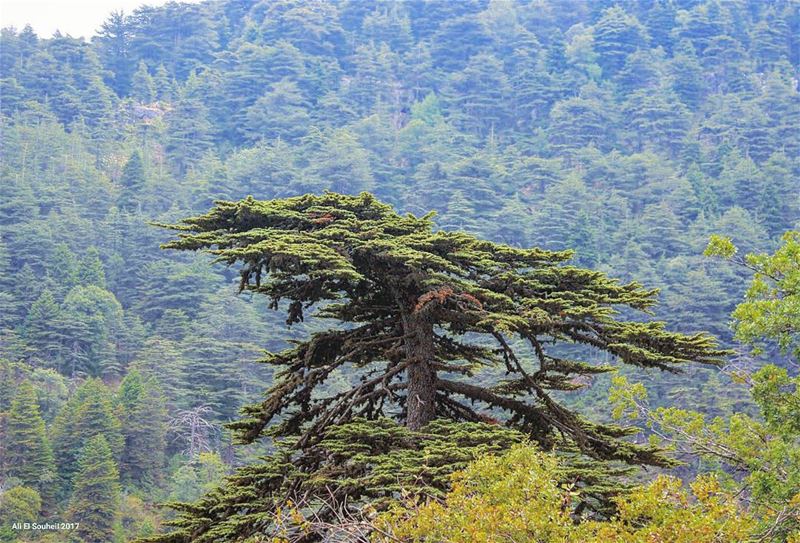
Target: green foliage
x=95, y=497
x=628, y=133
x=517, y=497
x=771, y=309
x=132, y=181
x=402, y=285
x=18, y=505
x=41, y=329
x=196, y=477
x=88, y=413
x=143, y=417
x=27, y=455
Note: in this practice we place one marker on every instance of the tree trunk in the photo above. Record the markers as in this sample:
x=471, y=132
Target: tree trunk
x=421, y=399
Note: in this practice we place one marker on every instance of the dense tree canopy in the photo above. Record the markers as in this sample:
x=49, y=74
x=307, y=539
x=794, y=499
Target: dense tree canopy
x=625, y=132
x=422, y=315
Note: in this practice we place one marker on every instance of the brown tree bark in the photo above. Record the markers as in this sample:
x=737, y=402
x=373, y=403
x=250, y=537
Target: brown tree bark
x=421, y=399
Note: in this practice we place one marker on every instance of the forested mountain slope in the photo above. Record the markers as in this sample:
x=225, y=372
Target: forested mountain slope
x=626, y=130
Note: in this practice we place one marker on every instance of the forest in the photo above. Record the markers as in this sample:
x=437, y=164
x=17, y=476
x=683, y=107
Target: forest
x=418, y=271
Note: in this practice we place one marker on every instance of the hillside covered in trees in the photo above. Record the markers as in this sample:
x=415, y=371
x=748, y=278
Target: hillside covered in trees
x=626, y=131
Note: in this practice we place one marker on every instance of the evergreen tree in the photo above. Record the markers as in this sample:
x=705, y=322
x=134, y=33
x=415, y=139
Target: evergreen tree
x=143, y=418
x=42, y=330
x=189, y=133
x=656, y=117
x=162, y=83
x=114, y=49
x=88, y=413
x=642, y=71
x=94, y=501
x=132, y=183
x=413, y=295
x=774, y=210
x=660, y=21
x=163, y=360
x=18, y=505
x=143, y=88
x=9, y=304
x=27, y=453
x=687, y=76
x=480, y=93
x=580, y=122
x=92, y=321
x=457, y=40
x=616, y=35
x=65, y=269
x=280, y=113
x=91, y=271
x=213, y=376
x=341, y=165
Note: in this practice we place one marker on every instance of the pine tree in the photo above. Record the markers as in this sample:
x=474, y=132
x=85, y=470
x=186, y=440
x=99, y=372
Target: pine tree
x=165, y=91
x=132, y=183
x=189, y=133
x=687, y=76
x=28, y=456
x=657, y=117
x=94, y=501
x=280, y=113
x=114, y=49
x=91, y=271
x=616, y=35
x=42, y=330
x=415, y=301
x=143, y=89
x=9, y=304
x=143, y=417
x=88, y=413
x=64, y=269
x=479, y=94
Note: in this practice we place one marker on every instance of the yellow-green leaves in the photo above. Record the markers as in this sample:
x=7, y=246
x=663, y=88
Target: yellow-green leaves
x=720, y=246
x=518, y=497
x=626, y=398
x=771, y=307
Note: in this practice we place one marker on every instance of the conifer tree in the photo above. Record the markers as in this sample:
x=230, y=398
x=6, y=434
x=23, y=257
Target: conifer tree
x=163, y=84
x=88, y=413
x=657, y=117
x=189, y=129
x=91, y=270
x=143, y=417
x=94, y=501
x=414, y=302
x=132, y=182
x=143, y=88
x=113, y=43
x=92, y=326
x=480, y=93
x=280, y=113
x=162, y=358
x=9, y=304
x=28, y=456
x=41, y=330
x=687, y=76
x=65, y=269
x=616, y=35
